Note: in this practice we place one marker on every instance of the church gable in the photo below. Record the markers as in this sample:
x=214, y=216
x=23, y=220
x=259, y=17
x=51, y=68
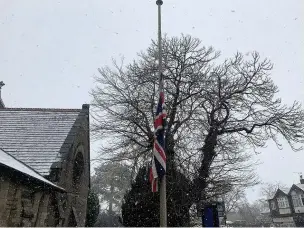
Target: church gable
x=39, y=137
x=53, y=146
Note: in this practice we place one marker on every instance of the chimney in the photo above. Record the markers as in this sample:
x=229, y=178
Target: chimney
x=1, y=101
x=301, y=179
x=86, y=107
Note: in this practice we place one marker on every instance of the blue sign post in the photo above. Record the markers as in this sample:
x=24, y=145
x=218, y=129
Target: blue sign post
x=211, y=214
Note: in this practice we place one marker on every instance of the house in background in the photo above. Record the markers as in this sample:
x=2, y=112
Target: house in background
x=45, y=166
x=281, y=209
x=296, y=194
x=287, y=208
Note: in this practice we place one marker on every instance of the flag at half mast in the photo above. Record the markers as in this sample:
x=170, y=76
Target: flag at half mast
x=158, y=169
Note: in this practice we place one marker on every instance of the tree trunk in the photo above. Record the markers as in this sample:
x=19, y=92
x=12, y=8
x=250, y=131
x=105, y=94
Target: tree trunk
x=208, y=151
x=111, y=199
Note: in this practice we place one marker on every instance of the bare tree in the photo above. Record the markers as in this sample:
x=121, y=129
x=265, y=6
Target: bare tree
x=233, y=199
x=268, y=190
x=249, y=211
x=240, y=101
x=216, y=112
x=232, y=170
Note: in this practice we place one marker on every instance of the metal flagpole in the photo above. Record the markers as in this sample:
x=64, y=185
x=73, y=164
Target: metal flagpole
x=162, y=198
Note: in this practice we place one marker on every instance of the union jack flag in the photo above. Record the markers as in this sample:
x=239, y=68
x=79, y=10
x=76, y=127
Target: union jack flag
x=158, y=169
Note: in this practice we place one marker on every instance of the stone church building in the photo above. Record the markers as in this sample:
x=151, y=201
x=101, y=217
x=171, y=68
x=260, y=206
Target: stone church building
x=44, y=166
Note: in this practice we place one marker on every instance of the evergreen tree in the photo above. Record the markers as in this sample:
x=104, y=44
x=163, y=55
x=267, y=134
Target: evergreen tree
x=141, y=207
x=93, y=208
x=110, y=182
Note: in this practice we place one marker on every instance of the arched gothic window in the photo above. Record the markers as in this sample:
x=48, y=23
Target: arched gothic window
x=78, y=168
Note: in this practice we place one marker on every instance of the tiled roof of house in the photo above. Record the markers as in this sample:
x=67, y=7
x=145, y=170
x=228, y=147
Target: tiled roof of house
x=9, y=161
x=38, y=137
x=285, y=191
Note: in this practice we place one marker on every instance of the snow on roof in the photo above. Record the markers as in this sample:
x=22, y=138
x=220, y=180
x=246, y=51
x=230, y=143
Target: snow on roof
x=11, y=162
x=286, y=191
x=301, y=186
x=39, y=137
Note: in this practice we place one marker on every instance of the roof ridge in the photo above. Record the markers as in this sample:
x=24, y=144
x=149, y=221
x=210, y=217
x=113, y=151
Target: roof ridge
x=42, y=109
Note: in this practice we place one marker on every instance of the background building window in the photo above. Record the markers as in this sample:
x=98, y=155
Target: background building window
x=283, y=202
x=297, y=202
x=302, y=199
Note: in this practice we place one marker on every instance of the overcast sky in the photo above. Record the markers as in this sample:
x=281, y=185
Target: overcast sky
x=50, y=50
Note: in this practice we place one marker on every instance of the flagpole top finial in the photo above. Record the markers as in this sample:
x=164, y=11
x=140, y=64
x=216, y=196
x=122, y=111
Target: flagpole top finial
x=159, y=2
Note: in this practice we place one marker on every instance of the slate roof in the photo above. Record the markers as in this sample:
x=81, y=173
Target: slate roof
x=11, y=162
x=39, y=137
x=285, y=191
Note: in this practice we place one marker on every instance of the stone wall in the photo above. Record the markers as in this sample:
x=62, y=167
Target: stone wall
x=75, y=199
x=24, y=203
x=73, y=204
